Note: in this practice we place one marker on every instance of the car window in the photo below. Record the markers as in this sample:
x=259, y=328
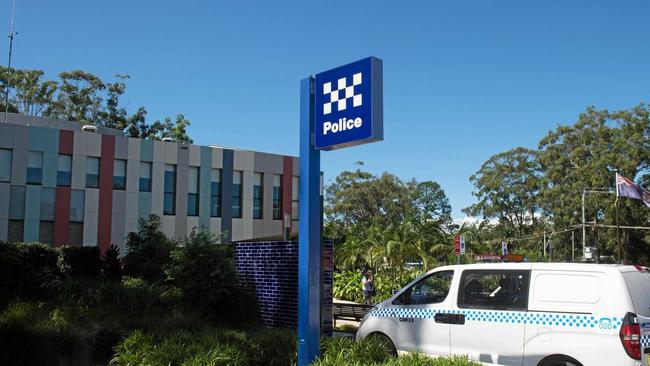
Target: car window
x=432, y=289
x=494, y=289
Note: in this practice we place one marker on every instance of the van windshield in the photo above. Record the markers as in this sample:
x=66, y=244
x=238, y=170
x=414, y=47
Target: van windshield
x=639, y=285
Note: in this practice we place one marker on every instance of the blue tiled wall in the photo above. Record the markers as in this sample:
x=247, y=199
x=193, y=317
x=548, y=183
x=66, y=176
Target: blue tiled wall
x=270, y=271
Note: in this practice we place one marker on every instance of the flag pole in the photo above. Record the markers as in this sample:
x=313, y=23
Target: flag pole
x=618, y=229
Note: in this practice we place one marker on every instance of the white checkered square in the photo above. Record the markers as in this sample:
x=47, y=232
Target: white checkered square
x=342, y=93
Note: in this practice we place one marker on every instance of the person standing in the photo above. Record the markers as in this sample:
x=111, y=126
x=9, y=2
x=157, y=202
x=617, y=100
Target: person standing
x=368, y=287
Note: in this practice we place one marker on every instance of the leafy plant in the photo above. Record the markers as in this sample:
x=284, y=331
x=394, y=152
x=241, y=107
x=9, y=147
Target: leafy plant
x=147, y=251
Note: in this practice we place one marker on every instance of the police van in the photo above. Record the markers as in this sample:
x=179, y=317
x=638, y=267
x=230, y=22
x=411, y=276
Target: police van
x=530, y=314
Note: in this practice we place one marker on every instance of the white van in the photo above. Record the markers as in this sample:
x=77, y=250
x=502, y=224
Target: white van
x=530, y=314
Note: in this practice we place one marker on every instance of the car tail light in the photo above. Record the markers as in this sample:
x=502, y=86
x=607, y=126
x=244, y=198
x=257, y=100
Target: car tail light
x=631, y=336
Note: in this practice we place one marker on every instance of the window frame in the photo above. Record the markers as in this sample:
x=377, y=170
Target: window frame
x=215, y=195
x=193, y=197
x=259, y=200
x=145, y=181
x=409, y=289
x=40, y=173
x=170, y=192
x=460, y=297
x=63, y=180
x=277, y=203
x=88, y=175
x=236, y=195
x=119, y=185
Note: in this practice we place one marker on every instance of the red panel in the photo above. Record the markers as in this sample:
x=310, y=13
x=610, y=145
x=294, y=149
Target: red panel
x=62, y=217
x=105, y=193
x=287, y=174
x=66, y=142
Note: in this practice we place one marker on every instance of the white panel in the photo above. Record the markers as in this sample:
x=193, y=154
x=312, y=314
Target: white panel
x=237, y=232
x=158, y=178
x=215, y=225
x=78, y=171
x=169, y=223
x=80, y=146
x=243, y=160
x=217, y=158
x=119, y=168
x=195, y=155
x=171, y=152
x=132, y=199
x=91, y=201
x=157, y=203
x=296, y=166
x=133, y=176
x=247, y=205
x=94, y=144
x=193, y=180
x=192, y=223
x=159, y=151
x=134, y=149
x=90, y=228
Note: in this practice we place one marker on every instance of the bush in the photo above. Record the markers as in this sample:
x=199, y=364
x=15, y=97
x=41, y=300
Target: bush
x=147, y=251
x=27, y=271
x=80, y=262
x=275, y=347
x=204, y=270
x=111, y=264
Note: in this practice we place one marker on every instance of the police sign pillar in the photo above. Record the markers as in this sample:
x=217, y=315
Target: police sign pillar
x=339, y=108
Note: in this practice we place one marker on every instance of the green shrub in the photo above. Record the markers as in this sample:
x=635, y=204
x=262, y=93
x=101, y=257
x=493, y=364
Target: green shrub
x=147, y=251
x=111, y=264
x=27, y=271
x=80, y=262
x=275, y=347
x=204, y=270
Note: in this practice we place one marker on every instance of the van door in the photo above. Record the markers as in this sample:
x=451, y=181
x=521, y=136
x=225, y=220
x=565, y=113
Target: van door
x=420, y=310
x=638, y=283
x=494, y=303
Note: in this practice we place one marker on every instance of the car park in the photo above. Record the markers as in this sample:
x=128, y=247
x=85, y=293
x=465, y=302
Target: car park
x=525, y=314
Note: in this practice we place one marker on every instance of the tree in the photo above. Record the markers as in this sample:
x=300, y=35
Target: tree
x=147, y=250
x=507, y=187
x=78, y=98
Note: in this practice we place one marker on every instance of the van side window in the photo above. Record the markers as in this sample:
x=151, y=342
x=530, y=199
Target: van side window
x=494, y=289
x=432, y=289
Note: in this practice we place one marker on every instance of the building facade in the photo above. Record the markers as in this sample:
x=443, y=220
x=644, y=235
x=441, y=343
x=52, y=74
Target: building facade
x=65, y=186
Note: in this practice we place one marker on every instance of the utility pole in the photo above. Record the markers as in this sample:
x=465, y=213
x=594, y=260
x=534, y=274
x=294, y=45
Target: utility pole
x=584, y=228
x=12, y=34
x=573, y=245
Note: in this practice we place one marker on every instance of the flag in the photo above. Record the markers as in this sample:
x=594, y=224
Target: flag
x=627, y=188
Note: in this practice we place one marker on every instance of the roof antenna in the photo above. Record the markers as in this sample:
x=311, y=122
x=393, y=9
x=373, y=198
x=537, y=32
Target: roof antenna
x=12, y=34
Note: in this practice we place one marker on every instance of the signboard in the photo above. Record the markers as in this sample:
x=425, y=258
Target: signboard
x=504, y=248
x=349, y=105
x=457, y=244
x=462, y=245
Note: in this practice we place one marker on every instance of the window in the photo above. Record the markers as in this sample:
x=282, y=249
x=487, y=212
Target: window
x=258, y=189
x=76, y=237
x=295, y=196
x=494, y=289
x=34, y=167
x=119, y=174
x=64, y=173
x=17, y=203
x=5, y=165
x=77, y=201
x=48, y=198
x=92, y=172
x=145, y=177
x=236, y=194
x=277, y=197
x=169, y=203
x=46, y=232
x=432, y=289
x=193, y=191
x=15, y=231
x=215, y=193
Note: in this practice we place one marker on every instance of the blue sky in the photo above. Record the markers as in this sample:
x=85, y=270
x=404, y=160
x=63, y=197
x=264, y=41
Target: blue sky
x=463, y=80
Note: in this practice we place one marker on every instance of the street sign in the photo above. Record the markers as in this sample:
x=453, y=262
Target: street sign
x=462, y=245
x=349, y=105
x=457, y=244
x=504, y=248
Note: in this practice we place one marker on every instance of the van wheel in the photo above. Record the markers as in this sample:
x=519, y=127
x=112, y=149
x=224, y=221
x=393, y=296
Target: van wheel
x=559, y=360
x=385, y=342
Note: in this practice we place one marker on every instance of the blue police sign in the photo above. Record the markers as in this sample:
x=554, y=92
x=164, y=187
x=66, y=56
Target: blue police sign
x=349, y=105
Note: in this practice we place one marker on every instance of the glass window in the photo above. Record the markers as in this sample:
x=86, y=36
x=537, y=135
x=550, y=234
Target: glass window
x=295, y=196
x=215, y=193
x=64, y=173
x=15, y=231
x=236, y=193
x=5, y=165
x=46, y=232
x=169, y=203
x=76, y=234
x=34, y=167
x=432, y=289
x=48, y=208
x=494, y=289
x=277, y=197
x=17, y=203
x=145, y=177
x=77, y=198
x=193, y=191
x=92, y=172
x=258, y=189
x=119, y=174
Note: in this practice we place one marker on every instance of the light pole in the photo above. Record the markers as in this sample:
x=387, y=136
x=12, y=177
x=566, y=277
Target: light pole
x=584, y=224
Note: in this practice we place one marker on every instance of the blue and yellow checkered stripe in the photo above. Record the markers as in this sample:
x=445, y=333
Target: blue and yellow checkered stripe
x=508, y=317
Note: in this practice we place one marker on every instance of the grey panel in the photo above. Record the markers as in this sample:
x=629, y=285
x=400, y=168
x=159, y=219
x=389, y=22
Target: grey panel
x=267, y=197
x=183, y=158
x=4, y=197
x=17, y=202
x=158, y=178
x=121, y=148
x=132, y=199
x=50, y=167
x=226, y=195
x=132, y=175
x=144, y=204
x=33, y=203
x=118, y=235
x=19, y=167
x=4, y=228
x=6, y=135
x=134, y=148
x=119, y=202
x=78, y=171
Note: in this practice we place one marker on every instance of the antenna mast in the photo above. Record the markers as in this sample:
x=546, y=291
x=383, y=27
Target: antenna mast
x=12, y=34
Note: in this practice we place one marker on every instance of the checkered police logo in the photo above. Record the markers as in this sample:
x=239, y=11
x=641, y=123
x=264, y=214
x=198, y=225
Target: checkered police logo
x=339, y=97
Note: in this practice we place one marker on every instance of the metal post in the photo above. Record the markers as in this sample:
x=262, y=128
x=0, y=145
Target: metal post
x=12, y=34
x=618, y=234
x=544, y=244
x=309, y=318
x=573, y=246
x=584, y=228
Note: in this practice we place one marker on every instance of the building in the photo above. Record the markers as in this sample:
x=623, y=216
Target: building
x=62, y=185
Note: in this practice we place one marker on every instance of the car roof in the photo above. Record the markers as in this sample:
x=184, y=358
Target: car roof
x=580, y=267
